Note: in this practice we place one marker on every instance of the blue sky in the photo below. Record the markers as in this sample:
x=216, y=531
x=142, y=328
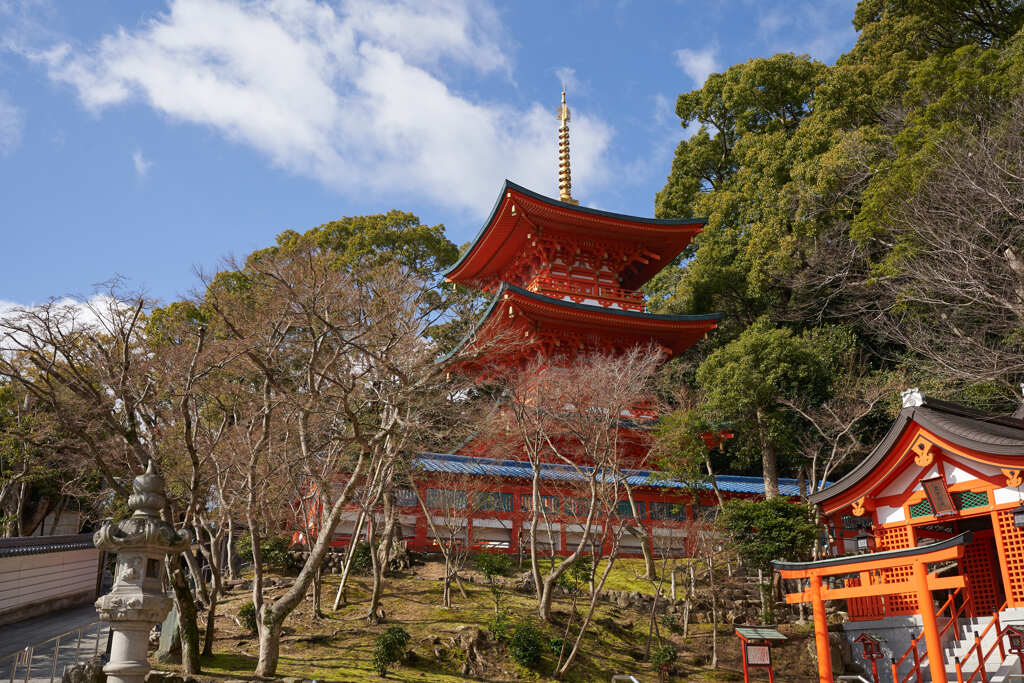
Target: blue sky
x=148, y=139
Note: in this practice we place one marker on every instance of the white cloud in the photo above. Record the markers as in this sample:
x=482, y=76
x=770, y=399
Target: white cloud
x=141, y=163
x=11, y=125
x=566, y=75
x=359, y=97
x=97, y=311
x=698, y=64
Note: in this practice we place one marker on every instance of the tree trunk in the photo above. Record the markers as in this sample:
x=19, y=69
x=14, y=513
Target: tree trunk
x=197, y=575
x=275, y=614
x=211, y=614
x=350, y=554
x=317, y=590
x=446, y=593
x=714, y=614
x=586, y=620
x=270, y=642
x=231, y=558
x=689, y=599
x=188, y=626
x=649, y=570
x=371, y=536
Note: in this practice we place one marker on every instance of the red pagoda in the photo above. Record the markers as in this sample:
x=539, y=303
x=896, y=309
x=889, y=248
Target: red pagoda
x=565, y=280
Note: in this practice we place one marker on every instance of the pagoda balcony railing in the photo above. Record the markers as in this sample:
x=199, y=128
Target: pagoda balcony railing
x=606, y=295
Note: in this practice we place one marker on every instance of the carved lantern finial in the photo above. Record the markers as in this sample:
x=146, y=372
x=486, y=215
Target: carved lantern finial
x=137, y=601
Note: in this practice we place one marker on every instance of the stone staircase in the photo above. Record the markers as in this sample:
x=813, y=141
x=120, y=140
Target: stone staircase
x=995, y=669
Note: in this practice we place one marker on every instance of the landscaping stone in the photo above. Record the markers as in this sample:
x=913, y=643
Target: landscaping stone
x=89, y=672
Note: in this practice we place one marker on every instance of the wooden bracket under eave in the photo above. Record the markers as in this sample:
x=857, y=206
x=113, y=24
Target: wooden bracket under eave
x=1013, y=478
x=924, y=451
x=860, y=506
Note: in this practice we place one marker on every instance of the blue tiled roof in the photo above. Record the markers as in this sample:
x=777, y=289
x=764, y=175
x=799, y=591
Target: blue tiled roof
x=487, y=467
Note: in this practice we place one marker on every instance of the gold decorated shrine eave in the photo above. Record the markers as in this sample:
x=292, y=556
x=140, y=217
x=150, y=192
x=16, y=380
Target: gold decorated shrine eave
x=926, y=427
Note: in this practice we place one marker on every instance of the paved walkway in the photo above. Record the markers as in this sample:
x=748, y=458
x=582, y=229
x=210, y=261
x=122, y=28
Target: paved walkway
x=15, y=637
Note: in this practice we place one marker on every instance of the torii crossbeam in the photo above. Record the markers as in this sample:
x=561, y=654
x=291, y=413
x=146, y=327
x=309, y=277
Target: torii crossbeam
x=922, y=583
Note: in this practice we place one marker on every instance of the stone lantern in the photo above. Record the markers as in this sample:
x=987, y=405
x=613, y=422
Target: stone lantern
x=137, y=601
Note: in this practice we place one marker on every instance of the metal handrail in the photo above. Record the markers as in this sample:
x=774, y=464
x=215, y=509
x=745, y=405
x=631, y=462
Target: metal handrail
x=918, y=658
x=983, y=656
x=25, y=655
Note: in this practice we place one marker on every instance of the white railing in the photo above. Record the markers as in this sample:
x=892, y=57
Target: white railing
x=62, y=645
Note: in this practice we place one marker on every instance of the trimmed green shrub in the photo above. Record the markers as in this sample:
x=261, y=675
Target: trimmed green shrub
x=389, y=648
x=663, y=657
x=662, y=660
x=577, y=574
x=493, y=564
x=670, y=622
x=500, y=626
x=247, y=615
x=526, y=644
x=555, y=645
x=362, y=561
x=274, y=550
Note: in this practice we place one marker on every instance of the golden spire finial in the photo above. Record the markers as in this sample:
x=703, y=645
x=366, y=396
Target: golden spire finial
x=564, y=172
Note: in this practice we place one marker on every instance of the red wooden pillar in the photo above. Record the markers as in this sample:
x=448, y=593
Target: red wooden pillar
x=821, y=631
x=925, y=605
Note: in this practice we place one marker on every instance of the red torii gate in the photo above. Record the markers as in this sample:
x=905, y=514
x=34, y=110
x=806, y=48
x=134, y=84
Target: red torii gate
x=922, y=583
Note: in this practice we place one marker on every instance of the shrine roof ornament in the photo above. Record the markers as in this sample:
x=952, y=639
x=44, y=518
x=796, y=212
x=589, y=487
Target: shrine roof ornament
x=999, y=436
x=520, y=216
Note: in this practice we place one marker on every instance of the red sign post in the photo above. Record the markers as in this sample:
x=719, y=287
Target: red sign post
x=757, y=642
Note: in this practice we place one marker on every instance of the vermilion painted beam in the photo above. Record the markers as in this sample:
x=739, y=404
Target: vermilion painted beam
x=935, y=583
x=953, y=553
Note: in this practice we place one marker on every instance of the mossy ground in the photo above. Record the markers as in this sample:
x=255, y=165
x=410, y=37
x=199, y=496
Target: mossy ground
x=339, y=646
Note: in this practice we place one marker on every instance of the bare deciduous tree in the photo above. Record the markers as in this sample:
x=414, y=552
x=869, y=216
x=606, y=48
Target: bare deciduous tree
x=954, y=289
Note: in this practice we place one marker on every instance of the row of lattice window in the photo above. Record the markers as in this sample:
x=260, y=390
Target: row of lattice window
x=964, y=500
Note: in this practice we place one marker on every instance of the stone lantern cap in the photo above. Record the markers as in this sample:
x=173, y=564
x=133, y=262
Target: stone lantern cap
x=144, y=529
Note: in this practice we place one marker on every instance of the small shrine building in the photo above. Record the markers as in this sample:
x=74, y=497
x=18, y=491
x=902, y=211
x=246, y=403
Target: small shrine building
x=927, y=538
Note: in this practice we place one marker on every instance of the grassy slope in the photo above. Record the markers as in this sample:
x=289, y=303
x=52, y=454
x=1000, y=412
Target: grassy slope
x=339, y=647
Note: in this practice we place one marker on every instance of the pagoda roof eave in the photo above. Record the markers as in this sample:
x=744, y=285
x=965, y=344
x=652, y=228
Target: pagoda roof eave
x=453, y=273
x=612, y=315
x=615, y=312
x=969, y=429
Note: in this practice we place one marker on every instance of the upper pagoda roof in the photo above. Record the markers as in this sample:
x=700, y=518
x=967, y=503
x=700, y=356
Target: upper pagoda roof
x=993, y=439
x=519, y=213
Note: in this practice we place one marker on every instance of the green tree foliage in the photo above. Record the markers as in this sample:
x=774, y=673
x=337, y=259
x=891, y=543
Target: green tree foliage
x=247, y=616
x=274, y=550
x=795, y=159
x=390, y=648
x=744, y=380
x=805, y=173
x=766, y=530
x=526, y=645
